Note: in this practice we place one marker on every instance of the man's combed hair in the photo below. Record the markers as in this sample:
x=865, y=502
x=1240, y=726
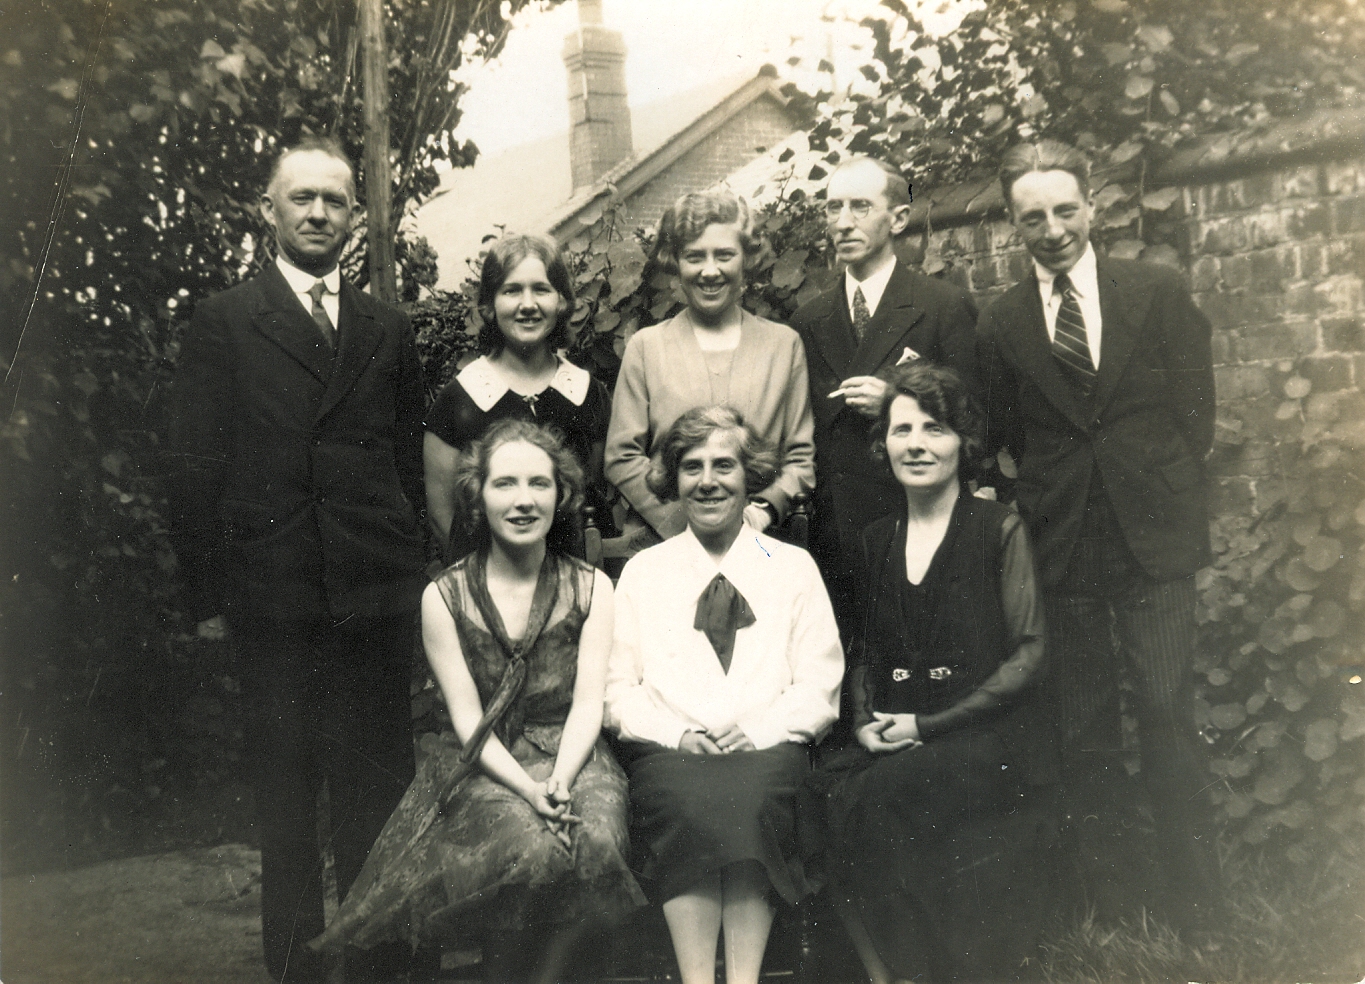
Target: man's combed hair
x=692, y=430
x=471, y=473
x=503, y=257
x=1042, y=155
x=688, y=217
x=940, y=393
x=327, y=144
x=897, y=189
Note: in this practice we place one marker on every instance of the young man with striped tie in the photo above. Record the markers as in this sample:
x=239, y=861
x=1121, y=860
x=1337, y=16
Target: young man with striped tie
x=1099, y=378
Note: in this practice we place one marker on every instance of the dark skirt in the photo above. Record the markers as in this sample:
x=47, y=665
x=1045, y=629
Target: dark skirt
x=692, y=815
x=943, y=852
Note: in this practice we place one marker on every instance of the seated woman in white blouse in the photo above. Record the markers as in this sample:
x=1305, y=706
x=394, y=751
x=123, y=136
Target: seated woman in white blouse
x=726, y=667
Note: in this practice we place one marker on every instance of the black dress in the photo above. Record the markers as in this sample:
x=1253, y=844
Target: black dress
x=941, y=846
x=575, y=404
x=489, y=865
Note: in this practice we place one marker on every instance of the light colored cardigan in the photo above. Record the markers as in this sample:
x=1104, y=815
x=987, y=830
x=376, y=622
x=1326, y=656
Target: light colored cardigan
x=664, y=374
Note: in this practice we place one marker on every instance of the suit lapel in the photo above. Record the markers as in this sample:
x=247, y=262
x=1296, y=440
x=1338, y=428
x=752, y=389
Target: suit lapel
x=896, y=315
x=833, y=330
x=359, y=336
x=282, y=319
x=1034, y=354
x=1123, y=308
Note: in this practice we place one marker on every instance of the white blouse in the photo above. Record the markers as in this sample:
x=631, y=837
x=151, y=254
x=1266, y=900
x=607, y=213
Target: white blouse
x=664, y=679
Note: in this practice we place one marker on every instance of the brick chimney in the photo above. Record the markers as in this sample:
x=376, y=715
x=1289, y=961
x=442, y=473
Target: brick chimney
x=599, y=119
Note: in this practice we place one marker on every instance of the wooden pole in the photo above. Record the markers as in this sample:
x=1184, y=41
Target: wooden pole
x=378, y=171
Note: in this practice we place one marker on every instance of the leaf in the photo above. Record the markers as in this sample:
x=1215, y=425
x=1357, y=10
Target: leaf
x=1169, y=102
x=1127, y=249
x=1157, y=37
x=1296, y=387
x=1297, y=575
x=606, y=321
x=1274, y=784
x=1225, y=717
x=1328, y=619
x=114, y=461
x=1219, y=677
x=1125, y=151
x=1320, y=740
x=1159, y=201
x=789, y=272
x=992, y=114
x=1117, y=54
x=233, y=65
x=1033, y=105
x=1322, y=553
x=1137, y=86
x=1111, y=6
x=68, y=89
x=211, y=49
x=1110, y=195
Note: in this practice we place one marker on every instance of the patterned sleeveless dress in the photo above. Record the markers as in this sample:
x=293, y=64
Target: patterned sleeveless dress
x=489, y=864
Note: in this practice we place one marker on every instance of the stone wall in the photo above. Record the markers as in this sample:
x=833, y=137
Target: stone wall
x=1273, y=245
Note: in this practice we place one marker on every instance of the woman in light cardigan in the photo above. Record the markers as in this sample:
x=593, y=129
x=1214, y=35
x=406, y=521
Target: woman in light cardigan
x=711, y=353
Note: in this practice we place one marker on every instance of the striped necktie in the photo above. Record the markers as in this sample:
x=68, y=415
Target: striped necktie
x=1070, y=345
x=319, y=313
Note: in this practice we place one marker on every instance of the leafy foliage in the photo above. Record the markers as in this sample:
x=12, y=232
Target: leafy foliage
x=136, y=137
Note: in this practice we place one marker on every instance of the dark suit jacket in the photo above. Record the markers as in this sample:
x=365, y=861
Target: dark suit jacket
x=935, y=320
x=1144, y=432
x=296, y=475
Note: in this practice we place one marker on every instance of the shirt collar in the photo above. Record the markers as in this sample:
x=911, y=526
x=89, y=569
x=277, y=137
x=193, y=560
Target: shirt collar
x=301, y=282
x=1084, y=276
x=485, y=385
x=742, y=564
x=874, y=286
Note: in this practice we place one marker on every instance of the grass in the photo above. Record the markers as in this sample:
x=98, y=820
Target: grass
x=1287, y=923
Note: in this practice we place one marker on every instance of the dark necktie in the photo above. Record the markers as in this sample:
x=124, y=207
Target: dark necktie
x=861, y=315
x=1069, y=342
x=721, y=612
x=319, y=313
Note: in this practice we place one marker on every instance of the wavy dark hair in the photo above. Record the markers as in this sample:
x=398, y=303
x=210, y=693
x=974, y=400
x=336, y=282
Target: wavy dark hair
x=941, y=393
x=688, y=217
x=323, y=143
x=692, y=430
x=1042, y=155
x=471, y=473
x=503, y=257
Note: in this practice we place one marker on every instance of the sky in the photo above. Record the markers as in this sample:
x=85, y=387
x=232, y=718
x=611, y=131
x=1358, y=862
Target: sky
x=672, y=46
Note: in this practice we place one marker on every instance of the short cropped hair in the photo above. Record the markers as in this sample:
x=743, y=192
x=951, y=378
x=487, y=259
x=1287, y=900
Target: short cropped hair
x=1042, y=155
x=688, y=217
x=897, y=189
x=471, y=474
x=503, y=257
x=327, y=144
x=693, y=429
x=940, y=393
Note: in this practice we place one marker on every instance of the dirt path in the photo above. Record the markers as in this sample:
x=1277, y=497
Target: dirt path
x=189, y=917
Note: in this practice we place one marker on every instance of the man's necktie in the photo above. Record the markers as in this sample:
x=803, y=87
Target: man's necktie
x=320, y=313
x=861, y=315
x=1069, y=342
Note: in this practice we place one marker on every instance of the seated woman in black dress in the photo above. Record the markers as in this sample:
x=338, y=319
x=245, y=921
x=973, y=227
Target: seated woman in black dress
x=525, y=301
x=529, y=851
x=726, y=667
x=926, y=835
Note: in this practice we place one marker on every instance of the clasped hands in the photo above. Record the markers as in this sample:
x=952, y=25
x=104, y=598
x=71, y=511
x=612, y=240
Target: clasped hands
x=889, y=732
x=554, y=804
x=713, y=742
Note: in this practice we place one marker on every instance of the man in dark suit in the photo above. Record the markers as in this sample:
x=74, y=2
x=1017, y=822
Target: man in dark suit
x=1100, y=380
x=296, y=481
x=878, y=314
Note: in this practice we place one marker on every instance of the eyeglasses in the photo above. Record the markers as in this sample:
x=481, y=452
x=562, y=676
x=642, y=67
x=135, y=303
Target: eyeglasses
x=858, y=206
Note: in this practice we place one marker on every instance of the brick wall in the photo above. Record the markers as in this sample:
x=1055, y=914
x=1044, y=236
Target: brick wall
x=1275, y=256
x=754, y=129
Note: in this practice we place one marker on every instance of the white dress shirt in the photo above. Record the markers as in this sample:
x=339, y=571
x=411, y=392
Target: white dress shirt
x=301, y=283
x=1085, y=281
x=664, y=679
x=873, y=287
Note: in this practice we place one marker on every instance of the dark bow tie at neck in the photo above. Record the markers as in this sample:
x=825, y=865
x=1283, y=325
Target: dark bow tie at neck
x=721, y=612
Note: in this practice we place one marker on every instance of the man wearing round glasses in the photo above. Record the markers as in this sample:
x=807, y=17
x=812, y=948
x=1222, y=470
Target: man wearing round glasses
x=878, y=314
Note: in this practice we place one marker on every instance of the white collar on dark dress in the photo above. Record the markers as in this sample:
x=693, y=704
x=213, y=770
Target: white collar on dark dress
x=485, y=385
